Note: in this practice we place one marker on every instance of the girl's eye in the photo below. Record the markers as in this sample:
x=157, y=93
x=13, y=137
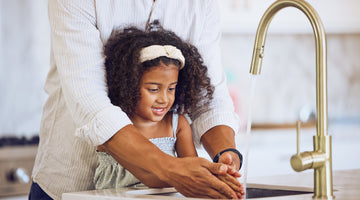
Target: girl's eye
x=153, y=90
x=171, y=89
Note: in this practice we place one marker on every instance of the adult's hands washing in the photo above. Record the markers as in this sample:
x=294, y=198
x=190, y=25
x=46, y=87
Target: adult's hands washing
x=232, y=161
x=198, y=177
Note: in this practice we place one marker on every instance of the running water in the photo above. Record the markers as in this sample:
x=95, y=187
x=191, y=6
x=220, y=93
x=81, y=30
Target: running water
x=248, y=130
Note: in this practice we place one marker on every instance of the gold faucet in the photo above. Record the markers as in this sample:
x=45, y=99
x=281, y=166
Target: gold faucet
x=320, y=158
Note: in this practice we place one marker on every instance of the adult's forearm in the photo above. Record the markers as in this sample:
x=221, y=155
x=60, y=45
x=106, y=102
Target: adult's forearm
x=217, y=139
x=137, y=154
x=191, y=176
x=220, y=138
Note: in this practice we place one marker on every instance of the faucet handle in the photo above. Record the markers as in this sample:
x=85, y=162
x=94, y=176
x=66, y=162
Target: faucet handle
x=300, y=161
x=298, y=123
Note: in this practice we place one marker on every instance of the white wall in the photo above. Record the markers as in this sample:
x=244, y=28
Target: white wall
x=24, y=63
x=287, y=81
x=243, y=16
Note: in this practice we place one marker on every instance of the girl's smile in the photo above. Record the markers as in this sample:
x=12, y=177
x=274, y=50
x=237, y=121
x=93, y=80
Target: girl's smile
x=159, y=111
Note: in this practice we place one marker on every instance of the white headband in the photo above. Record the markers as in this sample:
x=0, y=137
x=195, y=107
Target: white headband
x=155, y=51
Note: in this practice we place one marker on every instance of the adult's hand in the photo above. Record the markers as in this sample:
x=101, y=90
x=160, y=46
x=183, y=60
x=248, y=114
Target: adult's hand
x=216, y=140
x=233, y=161
x=232, y=181
x=197, y=177
x=219, y=138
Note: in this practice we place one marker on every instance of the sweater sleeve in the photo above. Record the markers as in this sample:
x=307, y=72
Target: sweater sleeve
x=221, y=110
x=77, y=54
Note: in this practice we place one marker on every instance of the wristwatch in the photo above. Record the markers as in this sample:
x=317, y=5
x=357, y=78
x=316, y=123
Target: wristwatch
x=216, y=158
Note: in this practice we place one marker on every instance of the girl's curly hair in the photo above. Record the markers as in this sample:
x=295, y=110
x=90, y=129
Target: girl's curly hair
x=124, y=70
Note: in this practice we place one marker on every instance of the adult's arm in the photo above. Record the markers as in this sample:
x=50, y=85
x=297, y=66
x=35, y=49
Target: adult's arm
x=219, y=138
x=191, y=176
x=215, y=127
x=221, y=111
x=78, y=63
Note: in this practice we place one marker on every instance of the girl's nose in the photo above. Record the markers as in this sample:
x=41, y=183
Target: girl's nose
x=163, y=97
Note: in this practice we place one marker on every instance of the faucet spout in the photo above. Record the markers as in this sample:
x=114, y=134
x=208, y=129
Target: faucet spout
x=320, y=158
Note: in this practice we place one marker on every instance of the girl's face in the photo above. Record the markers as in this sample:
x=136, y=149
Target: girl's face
x=157, y=90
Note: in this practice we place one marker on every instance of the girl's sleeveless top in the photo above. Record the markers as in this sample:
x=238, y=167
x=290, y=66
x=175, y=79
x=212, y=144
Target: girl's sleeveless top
x=110, y=174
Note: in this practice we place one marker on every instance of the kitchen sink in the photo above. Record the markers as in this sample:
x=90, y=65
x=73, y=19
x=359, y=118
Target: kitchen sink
x=252, y=191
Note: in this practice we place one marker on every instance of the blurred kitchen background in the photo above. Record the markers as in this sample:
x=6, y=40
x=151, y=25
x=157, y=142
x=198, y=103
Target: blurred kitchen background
x=284, y=92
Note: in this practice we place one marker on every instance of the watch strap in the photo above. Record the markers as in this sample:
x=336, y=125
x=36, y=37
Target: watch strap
x=217, y=156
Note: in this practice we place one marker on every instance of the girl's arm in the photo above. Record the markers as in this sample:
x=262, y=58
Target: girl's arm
x=185, y=148
x=184, y=143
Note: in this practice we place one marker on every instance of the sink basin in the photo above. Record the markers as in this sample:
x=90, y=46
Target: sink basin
x=252, y=191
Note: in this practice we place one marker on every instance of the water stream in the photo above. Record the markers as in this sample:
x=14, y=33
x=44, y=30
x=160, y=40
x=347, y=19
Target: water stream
x=246, y=137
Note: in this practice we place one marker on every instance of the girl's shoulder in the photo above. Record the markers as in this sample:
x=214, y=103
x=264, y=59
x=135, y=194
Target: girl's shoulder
x=183, y=119
x=180, y=118
x=182, y=123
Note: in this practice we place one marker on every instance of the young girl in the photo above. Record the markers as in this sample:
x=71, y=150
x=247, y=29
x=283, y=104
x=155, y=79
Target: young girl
x=155, y=78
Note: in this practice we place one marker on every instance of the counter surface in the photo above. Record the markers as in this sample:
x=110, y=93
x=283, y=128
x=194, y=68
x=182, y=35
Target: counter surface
x=346, y=186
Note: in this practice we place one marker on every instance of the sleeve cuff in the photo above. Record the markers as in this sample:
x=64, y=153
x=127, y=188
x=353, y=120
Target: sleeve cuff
x=103, y=126
x=213, y=118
